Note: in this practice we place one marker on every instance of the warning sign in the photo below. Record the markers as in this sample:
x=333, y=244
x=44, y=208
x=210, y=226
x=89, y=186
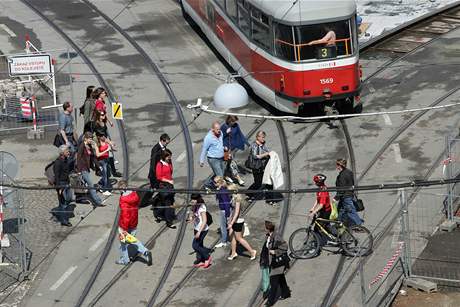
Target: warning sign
x=117, y=110
x=29, y=65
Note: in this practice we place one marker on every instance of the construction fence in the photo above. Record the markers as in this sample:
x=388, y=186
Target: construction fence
x=409, y=244
x=28, y=102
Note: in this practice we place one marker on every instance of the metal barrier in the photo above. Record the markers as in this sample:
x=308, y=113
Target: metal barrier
x=13, y=252
x=452, y=169
x=433, y=252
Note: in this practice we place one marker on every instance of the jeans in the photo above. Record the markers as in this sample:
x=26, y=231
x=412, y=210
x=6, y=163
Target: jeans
x=124, y=257
x=347, y=212
x=223, y=227
x=202, y=253
x=92, y=192
x=105, y=178
x=217, y=166
x=64, y=200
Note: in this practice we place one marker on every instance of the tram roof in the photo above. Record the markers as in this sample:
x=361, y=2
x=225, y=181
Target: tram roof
x=306, y=11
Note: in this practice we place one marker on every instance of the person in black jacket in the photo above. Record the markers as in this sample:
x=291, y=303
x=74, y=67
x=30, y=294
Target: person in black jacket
x=276, y=246
x=347, y=211
x=155, y=156
x=61, y=174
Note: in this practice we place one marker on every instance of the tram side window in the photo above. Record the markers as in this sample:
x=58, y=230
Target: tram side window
x=243, y=19
x=284, y=42
x=310, y=38
x=260, y=28
x=231, y=9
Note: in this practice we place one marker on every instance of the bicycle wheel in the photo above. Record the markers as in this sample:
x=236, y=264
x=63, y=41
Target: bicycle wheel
x=357, y=241
x=304, y=243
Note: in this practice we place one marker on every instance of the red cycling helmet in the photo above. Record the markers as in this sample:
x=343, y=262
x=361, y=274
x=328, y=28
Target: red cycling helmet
x=319, y=179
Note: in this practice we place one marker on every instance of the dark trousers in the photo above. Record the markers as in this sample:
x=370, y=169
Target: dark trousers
x=166, y=199
x=256, y=185
x=202, y=252
x=276, y=282
x=64, y=200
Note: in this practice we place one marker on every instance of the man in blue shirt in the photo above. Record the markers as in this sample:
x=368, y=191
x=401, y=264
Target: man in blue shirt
x=213, y=150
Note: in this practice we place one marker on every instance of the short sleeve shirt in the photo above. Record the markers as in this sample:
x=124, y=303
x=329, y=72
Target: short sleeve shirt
x=66, y=122
x=198, y=218
x=322, y=197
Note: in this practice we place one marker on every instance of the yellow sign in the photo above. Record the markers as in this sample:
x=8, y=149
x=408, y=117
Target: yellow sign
x=117, y=110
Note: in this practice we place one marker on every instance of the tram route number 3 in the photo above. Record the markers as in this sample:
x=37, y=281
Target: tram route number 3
x=326, y=80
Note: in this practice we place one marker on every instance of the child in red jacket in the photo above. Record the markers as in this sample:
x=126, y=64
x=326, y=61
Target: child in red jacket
x=127, y=224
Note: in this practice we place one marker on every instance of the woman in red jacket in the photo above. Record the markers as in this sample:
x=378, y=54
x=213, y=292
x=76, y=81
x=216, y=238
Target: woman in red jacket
x=163, y=171
x=127, y=223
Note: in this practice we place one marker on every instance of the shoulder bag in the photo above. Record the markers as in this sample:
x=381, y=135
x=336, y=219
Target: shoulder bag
x=358, y=203
x=281, y=260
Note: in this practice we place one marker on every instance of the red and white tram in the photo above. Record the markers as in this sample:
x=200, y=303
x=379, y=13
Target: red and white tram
x=273, y=45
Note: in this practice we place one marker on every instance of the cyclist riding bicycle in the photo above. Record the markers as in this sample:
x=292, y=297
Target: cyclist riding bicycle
x=322, y=206
x=323, y=201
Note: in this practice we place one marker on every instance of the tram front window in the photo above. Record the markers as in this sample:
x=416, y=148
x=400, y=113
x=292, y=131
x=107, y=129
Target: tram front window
x=326, y=40
x=284, y=42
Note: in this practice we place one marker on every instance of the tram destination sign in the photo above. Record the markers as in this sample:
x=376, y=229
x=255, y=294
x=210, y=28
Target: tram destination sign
x=36, y=64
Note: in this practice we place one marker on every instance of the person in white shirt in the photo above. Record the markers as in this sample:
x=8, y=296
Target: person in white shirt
x=200, y=221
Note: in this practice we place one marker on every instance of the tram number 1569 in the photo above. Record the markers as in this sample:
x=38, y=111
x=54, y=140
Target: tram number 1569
x=326, y=80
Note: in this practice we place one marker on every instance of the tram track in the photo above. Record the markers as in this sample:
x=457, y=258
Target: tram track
x=256, y=301
x=189, y=149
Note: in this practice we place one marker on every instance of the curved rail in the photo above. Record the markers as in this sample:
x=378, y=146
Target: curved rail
x=121, y=130
x=188, y=143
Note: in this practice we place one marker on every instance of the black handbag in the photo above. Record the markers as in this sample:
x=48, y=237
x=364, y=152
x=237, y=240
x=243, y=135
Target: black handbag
x=253, y=163
x=58, y=140
x=359, y=205
x=281, y=260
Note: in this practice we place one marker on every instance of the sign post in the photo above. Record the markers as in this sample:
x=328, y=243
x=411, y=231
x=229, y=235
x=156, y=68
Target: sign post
x=117, y=110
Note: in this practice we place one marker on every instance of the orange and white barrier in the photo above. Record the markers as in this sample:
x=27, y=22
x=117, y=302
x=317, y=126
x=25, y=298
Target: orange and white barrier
x=389, y=265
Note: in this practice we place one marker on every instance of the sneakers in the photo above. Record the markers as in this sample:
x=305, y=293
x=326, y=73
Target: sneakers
x=231, y=257
x=228, y=179
x=332, y=243
x=221, y=244
x=106, y=193
x=240, y=181
x=253, y=255
x=148, y=254
x=121, y=262
x=198, y=265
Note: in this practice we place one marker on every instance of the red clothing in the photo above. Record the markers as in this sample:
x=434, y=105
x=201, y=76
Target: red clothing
x=163, y=171
x=322, y=197
x=101, y=149
x=129, y=207
x=100, y=105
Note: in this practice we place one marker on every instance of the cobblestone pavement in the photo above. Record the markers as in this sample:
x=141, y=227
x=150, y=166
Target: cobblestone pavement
x=42, y=235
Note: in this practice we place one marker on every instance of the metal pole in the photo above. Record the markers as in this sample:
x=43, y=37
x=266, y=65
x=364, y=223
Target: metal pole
x=405, y=230
x=449, y=176
x=361, y=278
x=53, y=82
x=71, y=84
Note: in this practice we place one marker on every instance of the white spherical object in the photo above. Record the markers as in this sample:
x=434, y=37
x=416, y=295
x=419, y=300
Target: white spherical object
x=230, y=95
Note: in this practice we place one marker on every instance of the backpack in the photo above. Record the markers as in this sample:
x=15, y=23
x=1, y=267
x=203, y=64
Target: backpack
x=49, y=173
x=209, y=220
x=334, y=213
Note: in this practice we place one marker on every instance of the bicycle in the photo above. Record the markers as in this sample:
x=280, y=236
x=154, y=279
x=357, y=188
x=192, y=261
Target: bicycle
x=305, y=242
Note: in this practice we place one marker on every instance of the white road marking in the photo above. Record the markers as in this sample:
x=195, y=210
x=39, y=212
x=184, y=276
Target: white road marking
x=182, y=156
x=99, y=241
x=397, y=152
x=64, y=276
x=8, y=30
x=387, y=120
